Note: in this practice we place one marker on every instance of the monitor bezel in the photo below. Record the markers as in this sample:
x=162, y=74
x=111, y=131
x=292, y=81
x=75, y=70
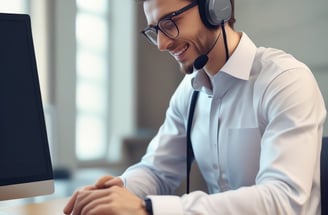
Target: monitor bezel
x=32, y=185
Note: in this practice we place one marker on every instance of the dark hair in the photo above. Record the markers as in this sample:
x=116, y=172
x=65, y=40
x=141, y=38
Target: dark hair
x=231, y=21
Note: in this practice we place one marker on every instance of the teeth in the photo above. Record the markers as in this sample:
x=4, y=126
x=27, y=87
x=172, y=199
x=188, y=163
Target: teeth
x=180, y=52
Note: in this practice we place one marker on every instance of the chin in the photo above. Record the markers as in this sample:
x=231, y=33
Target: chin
x=186, y=69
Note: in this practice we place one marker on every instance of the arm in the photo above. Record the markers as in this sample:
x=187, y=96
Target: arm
x=287, y=182
x=162, y=168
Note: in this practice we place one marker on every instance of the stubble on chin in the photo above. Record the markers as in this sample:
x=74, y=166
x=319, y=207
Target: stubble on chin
x=186, y=69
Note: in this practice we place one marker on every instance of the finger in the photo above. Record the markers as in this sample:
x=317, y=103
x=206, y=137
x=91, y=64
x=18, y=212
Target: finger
x=89, y=198
x=114, y=182
x=97, y=206
x=101, y=181
x=70, y=204
x=83, y=198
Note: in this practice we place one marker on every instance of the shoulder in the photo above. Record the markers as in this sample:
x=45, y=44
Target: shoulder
x=269, y=64
x=275, y=61
x=281, y=82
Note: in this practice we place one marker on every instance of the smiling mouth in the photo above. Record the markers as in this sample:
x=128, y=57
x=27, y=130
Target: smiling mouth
x=180, y=52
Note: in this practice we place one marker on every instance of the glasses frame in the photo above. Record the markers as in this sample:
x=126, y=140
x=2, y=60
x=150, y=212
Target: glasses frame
x=156, y=28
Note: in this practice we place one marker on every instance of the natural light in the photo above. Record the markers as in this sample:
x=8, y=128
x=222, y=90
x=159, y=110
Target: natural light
x=13, y=6
x=92, y=79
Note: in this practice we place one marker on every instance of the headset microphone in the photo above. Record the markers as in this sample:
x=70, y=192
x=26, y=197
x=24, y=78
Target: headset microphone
x=201, y=60
x=213, y=14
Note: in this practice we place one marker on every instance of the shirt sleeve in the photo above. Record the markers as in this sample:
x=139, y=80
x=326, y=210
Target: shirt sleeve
x=163, y=167
x=293, y=112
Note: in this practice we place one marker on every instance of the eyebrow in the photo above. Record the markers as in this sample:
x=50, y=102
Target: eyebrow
x=163, y=17
x=167, y=15
x=172, y=12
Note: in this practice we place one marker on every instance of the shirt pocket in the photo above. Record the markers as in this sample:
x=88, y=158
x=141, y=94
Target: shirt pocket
x=243, y=155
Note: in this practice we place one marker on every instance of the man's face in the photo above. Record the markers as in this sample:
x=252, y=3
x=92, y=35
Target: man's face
x=194, y=38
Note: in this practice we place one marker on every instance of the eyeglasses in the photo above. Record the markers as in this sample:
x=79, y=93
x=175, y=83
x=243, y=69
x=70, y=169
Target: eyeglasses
x=166, y=25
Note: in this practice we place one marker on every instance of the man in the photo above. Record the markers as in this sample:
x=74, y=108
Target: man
x=256, y=131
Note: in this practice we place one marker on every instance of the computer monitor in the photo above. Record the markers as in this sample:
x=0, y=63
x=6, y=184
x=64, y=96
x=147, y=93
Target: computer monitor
x=25, y=163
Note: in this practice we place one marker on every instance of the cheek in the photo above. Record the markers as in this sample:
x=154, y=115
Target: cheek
x=196, y=33
x=200, y=41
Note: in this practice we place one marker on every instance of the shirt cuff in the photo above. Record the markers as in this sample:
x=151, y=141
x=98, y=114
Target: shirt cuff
x=163, y=205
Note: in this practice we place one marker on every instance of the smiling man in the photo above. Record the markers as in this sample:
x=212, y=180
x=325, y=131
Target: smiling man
x=184, y=35
x=251, y=117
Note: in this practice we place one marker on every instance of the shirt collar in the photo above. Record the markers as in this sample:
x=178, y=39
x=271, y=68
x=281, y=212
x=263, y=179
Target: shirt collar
x=240, y=62
x=238, y=66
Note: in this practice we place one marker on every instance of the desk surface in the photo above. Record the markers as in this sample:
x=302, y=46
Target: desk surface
x=52, y=207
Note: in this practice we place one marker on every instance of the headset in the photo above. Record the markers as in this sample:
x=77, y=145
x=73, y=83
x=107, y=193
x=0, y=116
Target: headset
x=214, y=12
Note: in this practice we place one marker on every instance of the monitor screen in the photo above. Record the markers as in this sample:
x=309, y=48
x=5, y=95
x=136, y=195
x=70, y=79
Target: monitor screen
x=25, y=163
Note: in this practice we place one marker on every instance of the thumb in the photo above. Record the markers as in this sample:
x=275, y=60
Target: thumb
x=101, y=181
x=117, y=181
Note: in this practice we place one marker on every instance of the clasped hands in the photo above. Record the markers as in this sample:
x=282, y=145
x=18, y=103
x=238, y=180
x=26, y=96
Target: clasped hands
x=106, y=197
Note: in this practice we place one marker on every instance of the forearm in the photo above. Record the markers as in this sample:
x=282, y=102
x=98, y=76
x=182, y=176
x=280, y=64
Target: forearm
x=140, y=182
x=255, y=200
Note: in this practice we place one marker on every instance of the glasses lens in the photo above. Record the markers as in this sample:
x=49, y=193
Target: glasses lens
x=151, y=34
x=169, y=28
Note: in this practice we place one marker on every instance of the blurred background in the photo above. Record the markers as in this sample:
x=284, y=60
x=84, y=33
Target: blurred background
x=105, y=89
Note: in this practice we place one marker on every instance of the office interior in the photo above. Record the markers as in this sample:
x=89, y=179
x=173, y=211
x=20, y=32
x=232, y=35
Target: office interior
x=105, y=89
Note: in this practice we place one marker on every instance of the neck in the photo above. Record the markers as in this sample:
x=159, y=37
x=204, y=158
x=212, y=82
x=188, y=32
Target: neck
x=217, y=57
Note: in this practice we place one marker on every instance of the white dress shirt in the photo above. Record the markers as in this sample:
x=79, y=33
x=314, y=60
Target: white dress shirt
x=256, y=136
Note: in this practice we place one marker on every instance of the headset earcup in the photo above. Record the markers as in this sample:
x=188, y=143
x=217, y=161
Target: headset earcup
x=214, y=12
x=203, y=13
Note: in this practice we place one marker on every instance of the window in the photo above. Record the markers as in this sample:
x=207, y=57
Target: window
x=92, y=58
x=14, y=6
x=105, y=82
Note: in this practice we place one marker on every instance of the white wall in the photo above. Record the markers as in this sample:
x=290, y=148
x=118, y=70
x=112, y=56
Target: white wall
x=296, y=26
x=64, y=81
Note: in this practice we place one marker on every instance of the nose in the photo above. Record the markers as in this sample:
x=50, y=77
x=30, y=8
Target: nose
x=163, y=41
